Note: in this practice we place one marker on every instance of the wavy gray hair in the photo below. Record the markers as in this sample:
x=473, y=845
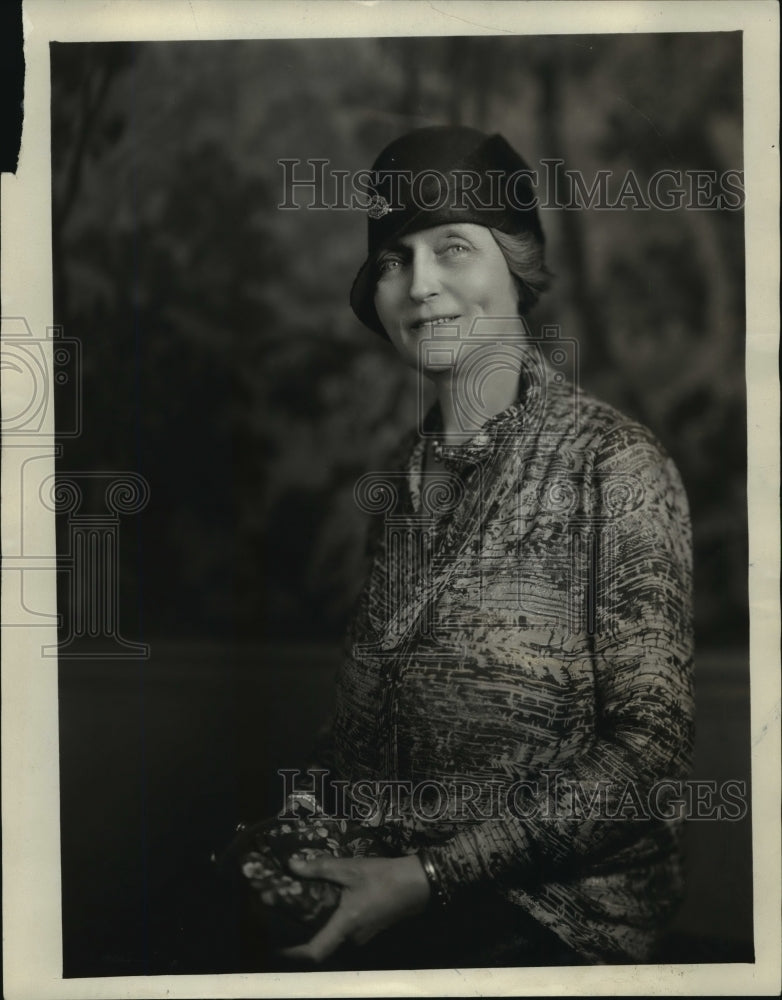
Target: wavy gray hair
x=525, y=258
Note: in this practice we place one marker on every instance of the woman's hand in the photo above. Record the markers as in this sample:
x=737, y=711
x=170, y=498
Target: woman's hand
x=376, y=893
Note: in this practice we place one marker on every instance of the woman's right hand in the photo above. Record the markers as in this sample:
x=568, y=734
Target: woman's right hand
x=376, y=894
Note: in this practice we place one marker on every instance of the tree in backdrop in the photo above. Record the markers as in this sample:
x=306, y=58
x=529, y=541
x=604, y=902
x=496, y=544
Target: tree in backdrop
x=220, y=356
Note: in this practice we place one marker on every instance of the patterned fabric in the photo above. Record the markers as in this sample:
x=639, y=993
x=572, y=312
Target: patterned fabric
x=528, y=619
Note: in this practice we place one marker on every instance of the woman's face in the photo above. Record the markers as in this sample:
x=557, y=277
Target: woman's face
x=449, y=276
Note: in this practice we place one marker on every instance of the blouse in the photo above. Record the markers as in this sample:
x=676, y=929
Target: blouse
x=518, y=674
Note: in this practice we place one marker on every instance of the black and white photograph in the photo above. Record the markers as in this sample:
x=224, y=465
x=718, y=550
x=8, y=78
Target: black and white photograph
x=390, y=474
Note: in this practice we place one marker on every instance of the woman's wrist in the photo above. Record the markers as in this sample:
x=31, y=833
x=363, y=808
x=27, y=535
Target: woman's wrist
x=410, y=875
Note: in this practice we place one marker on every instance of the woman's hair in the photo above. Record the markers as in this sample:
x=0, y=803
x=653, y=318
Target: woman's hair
x=524, y=256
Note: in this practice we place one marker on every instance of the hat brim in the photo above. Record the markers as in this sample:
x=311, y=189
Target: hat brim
x=362, y=298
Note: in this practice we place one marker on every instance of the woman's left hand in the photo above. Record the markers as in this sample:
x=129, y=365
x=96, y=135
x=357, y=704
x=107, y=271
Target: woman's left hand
x=376, y=893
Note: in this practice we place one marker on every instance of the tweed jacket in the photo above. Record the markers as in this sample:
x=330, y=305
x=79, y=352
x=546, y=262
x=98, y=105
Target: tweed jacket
x=522, y=647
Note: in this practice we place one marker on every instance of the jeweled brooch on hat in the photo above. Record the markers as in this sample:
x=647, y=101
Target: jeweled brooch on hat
x=378, y=207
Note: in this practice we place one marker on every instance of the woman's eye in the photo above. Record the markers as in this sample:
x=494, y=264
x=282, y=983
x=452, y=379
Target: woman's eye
x=454, y=249
x=387, y=264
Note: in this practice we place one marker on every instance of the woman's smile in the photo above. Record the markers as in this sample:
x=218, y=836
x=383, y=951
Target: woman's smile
x=427, y=322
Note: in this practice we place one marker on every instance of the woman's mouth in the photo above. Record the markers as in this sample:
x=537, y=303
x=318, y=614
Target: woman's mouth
x=420, y=324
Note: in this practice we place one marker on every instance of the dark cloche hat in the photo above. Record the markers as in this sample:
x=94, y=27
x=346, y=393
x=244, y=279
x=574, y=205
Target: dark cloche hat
x=441, y=174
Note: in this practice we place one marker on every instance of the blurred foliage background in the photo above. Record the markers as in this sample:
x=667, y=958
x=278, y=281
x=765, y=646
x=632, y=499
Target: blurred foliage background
x=220, y=356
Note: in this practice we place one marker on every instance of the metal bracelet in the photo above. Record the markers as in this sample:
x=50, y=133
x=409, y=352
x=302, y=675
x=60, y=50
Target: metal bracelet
x=435, y=884
x=304, y=799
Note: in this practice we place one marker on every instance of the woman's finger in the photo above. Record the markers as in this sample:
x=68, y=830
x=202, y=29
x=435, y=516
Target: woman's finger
x=339, y=870
x=324, y=943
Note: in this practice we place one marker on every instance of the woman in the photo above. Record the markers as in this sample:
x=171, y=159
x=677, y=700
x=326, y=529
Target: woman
x=520, y=660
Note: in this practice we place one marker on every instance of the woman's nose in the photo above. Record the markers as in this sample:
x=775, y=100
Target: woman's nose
x=424, y=280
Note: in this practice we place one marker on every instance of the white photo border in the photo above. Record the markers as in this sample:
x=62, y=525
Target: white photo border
x=30, y=797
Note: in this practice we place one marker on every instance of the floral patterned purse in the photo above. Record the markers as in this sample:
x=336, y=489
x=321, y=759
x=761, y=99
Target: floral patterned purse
x=290, y=910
